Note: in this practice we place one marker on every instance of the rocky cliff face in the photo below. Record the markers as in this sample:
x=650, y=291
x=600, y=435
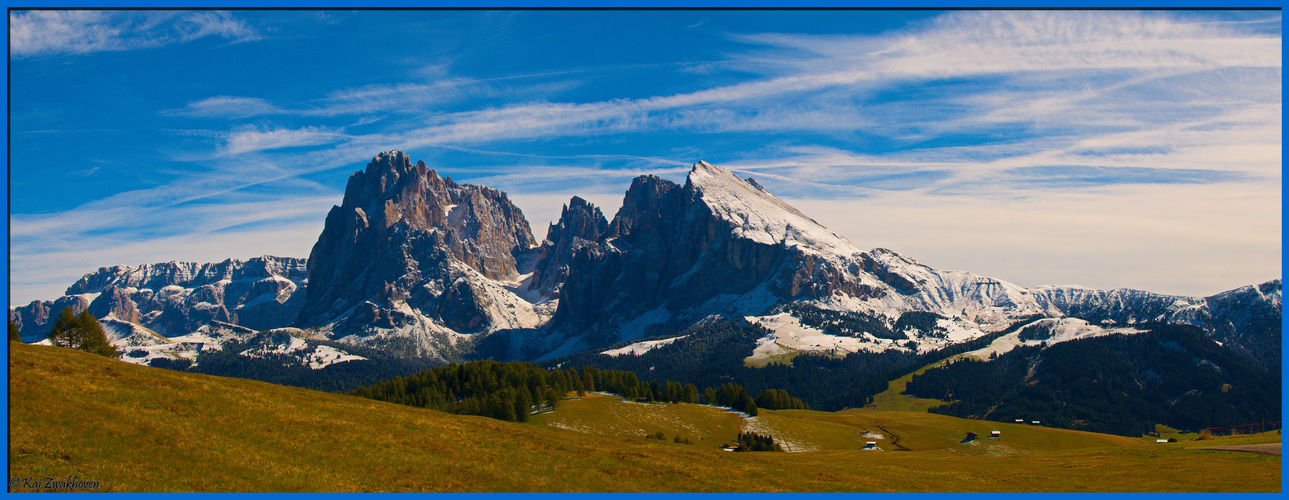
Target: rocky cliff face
x=175, y=298
x=34, y=320
x=580, y=226
x=716, y=245
x=720, y=245
x=415, y=262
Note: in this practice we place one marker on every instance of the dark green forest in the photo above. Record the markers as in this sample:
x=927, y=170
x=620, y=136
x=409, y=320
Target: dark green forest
x=712, y=354
x=854, y=324
x=1118, y=384
x=509, y=391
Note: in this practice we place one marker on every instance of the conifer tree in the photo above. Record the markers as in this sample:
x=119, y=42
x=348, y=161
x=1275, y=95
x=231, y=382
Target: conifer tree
x=691, y=393
x=83, y=332
x=523, y=406
x=552, y=398
x=13, y=332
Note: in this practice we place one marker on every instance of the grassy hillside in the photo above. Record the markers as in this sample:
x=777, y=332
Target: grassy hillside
x=805, y=430
x=605, y=415
x=135, y=428
x=894, y=398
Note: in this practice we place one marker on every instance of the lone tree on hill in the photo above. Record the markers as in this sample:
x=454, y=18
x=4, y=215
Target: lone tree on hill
x=13, y=332
x=83, y=332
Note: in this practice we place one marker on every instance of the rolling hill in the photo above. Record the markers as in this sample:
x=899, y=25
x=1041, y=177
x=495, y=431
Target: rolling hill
x=136, y=428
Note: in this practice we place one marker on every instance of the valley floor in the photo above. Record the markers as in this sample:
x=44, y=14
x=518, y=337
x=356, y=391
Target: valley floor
x=134, y=428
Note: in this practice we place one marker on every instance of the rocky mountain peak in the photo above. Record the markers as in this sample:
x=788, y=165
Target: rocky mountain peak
x=753, y=213
x=648, y=202
x=400, y=239
x=186, y=274
x=581, y=224
x=580, y=219
x=678, y=251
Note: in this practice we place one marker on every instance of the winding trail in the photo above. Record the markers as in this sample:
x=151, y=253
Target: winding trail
x=895, y=441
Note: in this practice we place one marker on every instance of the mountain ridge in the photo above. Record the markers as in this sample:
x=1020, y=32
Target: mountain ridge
x=415, y=263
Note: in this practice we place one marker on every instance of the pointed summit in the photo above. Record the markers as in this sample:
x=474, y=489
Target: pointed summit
x=409, y=253
x=580, y=226
x=757, y=215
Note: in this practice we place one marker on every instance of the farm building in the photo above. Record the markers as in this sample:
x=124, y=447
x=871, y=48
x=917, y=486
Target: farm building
x=995, y=434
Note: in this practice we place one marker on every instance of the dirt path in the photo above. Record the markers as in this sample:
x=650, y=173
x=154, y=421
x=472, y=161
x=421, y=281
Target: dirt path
x=895, y=441
x=1265, y=449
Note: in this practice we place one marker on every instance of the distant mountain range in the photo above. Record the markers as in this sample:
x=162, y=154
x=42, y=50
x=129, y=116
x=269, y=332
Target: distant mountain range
x=413, y=264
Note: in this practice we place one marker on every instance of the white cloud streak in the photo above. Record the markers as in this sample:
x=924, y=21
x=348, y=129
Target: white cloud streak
x=251, y=139
x=226, y=107
x=38, y=33
x=1134, y=90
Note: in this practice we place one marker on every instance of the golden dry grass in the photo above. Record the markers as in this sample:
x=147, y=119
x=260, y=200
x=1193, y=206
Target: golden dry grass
x=135, y=428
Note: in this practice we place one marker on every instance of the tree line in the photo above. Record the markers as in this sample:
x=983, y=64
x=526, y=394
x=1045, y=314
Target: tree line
x=712, y=354
x=511, y=390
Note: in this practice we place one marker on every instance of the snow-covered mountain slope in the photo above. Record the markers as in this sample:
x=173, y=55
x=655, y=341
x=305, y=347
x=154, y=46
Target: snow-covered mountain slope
x=141, y=346
x=756, y=215
x=1048, y=331
x=176, y=298
x=639, y=348
x=720, y=245
x=414, y=264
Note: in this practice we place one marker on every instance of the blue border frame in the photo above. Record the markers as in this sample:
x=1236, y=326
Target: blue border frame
x=626, y=4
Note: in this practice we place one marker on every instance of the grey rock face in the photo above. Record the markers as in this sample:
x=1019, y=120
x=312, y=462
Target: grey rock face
x=175, y=298
x=668, y=248
x=408, y=253
x=34, y=320
x=1248, y=319
x=580, y=225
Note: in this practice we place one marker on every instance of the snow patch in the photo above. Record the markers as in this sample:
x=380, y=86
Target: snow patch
x=788, y=334
x=325, y=355
x=639, y=348
x=1062, y=330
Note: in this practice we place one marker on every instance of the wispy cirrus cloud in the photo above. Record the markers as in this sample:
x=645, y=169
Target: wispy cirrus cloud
x=972, y=114
x=226, y=107
x=251, y=138
x=402, y=98
x=36, y=33
x=241, y=207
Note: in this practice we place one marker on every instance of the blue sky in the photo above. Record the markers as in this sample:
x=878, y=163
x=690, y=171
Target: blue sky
x=1108, y=149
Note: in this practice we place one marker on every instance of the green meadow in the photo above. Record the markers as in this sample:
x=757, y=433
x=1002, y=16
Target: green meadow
x=134, y=428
